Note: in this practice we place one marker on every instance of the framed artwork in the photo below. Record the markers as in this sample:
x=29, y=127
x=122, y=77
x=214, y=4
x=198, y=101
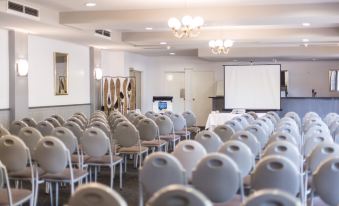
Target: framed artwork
x=61, y=73
x=334, y=80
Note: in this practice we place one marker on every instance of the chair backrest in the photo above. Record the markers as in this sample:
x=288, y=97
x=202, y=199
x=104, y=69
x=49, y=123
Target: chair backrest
x=189, y=153
x=77, y=121
x=333, y=126
x=83, y=119
x=273, y=172
x=45, y=128
x=259, y=133
x=67, y=137
x=294, y=116
x=315, y=131
x=249, y=139
x=118, y=121
x=81, y=114
x=217, y=176
x=325, y=181
x=242, y=120
x=272, y=118
x=316, y=124
x=75, y=128
x=290, y=130
x=53, y=121
x=59, y=118
x=96, y=194
x=137, y=119
x=209, y=140
x=16, y=126
x=178, y=195
x=168, y=113
x=148, y=129
x=52, y=155
x=29, y=121
x=99, y=119
x=285, y=149
x=268, y=122
x=330, y=117
x=149, y=114
x=241, y=154
x=262, y=124
x=179, y=122
x=320, y=153
x=94, y=142
x=288, y=121
x=101, y=126
x=275, y=115
x=235, y=125
x=159, y=170
x=165, y=125
x=13, y=153
x=126, y=134
x=132, y=117
x=248, y=117
x=282, y=136
x=313, y=141
x=3, y=131
x=30, y=136
x=190, y=118
x=155, y=116
x=269, y=197
x=224, y=131
x=253, y=114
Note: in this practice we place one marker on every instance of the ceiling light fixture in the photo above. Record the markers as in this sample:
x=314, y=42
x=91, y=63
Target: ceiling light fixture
x=306, y=24
x=220, y=46
x=98, y=73
x=305, y=40
x=163, y=43
x=22, y=67
x=90, y=4
x=172, y=53
x=188, y=27
x=149, y=28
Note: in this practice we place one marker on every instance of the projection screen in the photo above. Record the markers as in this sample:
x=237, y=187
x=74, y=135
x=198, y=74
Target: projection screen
x=252, y=87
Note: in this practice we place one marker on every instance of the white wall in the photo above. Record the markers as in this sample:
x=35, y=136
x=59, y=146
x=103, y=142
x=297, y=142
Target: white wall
x=4, y=70
x=113, y=63
x=41, y=75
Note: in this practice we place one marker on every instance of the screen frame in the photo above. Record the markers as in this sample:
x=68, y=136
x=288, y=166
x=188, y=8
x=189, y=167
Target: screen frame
x=259, y=110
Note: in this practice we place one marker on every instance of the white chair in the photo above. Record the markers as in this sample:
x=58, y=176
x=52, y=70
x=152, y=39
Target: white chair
x=242, y=120
x=30, y=136
x=59, y=118
x=330, y=117
x=45, y=128
x=235, y=125
x=295, y=117
x=16, y=126
x=218, y=177
x=250, y=140
x=160, y=169
x=166, y=130
x=30, y=122
x=191, y=121
x=275, y=115
x=75, y=128
x=53, y=121
x=282, y=136
x=248, y=117
x=260, y=133
x=320, y=153
x=180, y=127
x=96, y=194
x=176, y=195
x=149, y=135
x=209, y=140
x=313, y=141
x=268, y=122
x=271, y=197
x=3, y=131
x=189, y=153
x=262, y=124
x=224, y=131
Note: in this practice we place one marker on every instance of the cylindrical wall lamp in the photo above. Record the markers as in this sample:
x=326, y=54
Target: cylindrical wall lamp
x=22, y=67
x=98, y=73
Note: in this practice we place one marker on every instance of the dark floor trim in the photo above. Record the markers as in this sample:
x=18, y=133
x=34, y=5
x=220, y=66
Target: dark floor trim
x=67, y=105
x=7, y=109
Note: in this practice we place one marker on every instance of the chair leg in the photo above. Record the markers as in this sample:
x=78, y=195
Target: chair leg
x=57, y=194
x=112, y=176
x=125, y=160
x=51, y=193
x=120, y=175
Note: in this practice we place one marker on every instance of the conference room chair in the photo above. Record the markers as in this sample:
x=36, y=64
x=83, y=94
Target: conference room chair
x=30, y=136
x=71, y=142
x=218, y=177
x=149, y=135
x=277, y=172
x=325, y=183
x=159, y=170
x=275, y=115
x=260, y=133
x=209, y=140
x=292, y=131
x=308, y=116
x=149, y=114
x=290, y=122
x=127, y=137
x=59, y=118
x=250, y=140
x=235, y=125
x=316, y=124
x=97, y=146
x=54, y=159
x=272, y=119
x=330, y=117
x=83, y=119
x=313, y=121
x=130, y=113
x=77, y=121
x=263, y=124
x=283, y=136
x=83, y=115
x=101, y=125
x=295, y=117
x=3, y=131
x=178, y=195
x=155, y=116
x=242, y=155
x=242, y=120
x=137, y=119
x=169, y=113
x=99, y=119
x=271, y=197
x=45, y=128
x=14, y=156
x=166, y=131
x=16, y=126
x=253, y=114
x=75, y=128
x=316, y=130
x=224, y=131
x=116, y=121
x=248, y=117
x=333, y=127
x=53, y=121
x=191, y=121
x=96, y=194
x=189, y=153
x=30, y=122
x=132, y=117
x=313, y=141
x=268, y=122
x=180, y=126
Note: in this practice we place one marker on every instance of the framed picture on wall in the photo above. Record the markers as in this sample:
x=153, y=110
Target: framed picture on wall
x=334, y=80
x=61, y=73
x=62, y=85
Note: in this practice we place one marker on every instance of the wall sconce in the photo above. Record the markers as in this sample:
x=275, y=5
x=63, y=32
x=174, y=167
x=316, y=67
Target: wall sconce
x=98, y=73
x=22, y=67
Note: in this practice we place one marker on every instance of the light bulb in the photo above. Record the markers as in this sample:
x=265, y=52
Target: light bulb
x=174, y=23
x=219, y=43
x=98, y=73
x=211, y=43
x=198, y=21
x=228, y=43
x=22, y=67
x=187, y=20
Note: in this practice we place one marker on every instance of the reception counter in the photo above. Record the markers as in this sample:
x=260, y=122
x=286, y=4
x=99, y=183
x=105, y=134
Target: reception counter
x=301, y=105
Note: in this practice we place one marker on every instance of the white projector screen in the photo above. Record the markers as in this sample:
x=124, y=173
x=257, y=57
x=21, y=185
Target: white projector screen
x=255, y=87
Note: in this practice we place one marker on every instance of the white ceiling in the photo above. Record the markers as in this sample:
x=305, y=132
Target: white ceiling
x=261, y=29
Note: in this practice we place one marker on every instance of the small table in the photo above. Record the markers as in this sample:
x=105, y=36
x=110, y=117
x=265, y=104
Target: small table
x=215, y=119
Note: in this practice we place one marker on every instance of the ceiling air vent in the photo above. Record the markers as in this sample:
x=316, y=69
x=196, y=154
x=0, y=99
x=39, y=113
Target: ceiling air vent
x=103, y=33
x=22, y=10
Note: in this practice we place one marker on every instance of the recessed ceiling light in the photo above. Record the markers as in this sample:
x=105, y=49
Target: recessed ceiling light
x=163, y=43
x=149, y=28
x=306, y=24
x=90, y=4
x=168, y=47
x=172, y=53
x=305, y=40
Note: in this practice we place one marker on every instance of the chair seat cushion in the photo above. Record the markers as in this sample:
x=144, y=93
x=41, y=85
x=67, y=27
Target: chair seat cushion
x=132, y=150
x=194, y=129
x=170, y=137
x=65, y=175
x=153, y=143
x=103, y=160
x=24, y=174
x=18, y=196
x=183, y=133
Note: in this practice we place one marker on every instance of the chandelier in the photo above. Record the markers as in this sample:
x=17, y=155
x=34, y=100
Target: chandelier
x=188, y=27
x=220, y=46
